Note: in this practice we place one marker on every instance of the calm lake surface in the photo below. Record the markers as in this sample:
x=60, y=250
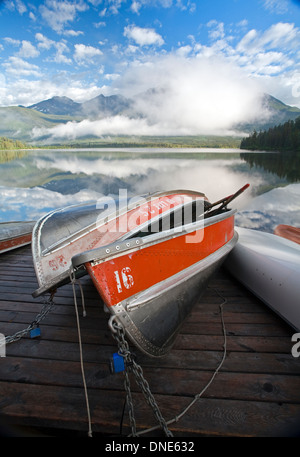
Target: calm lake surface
x=34, y=182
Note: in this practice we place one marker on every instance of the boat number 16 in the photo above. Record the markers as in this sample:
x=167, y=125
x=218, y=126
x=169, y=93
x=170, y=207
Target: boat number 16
x=124, y=279
x=296, y=347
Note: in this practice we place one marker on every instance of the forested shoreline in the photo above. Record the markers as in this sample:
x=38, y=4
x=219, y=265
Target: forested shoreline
x=283, y=137
x=283, y=142
x=7, y=143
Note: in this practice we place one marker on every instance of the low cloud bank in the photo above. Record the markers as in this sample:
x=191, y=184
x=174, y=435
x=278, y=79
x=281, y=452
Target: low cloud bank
x=175, y=95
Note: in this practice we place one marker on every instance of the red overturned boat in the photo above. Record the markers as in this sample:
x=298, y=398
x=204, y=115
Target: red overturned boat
x=15, y=234
x=289, y=232
x=149, y=257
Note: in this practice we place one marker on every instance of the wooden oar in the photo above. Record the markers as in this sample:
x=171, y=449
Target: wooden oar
x=224, y=201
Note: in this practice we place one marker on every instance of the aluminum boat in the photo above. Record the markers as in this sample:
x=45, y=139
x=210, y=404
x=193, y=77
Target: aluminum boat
x=65, y=232
x=269, y=266
x=150, y=257
x=150, y=281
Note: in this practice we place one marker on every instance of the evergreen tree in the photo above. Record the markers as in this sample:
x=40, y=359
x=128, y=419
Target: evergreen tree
x=285, y=137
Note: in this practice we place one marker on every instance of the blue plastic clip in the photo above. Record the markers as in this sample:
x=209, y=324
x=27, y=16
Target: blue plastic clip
x=35, y=332
x=117, y=363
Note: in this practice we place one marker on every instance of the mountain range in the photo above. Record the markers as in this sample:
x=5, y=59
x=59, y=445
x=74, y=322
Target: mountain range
x=99, y=107
x=17, y=122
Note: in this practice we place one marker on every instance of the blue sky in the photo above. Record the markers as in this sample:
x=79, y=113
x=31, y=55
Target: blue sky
x=81, y=48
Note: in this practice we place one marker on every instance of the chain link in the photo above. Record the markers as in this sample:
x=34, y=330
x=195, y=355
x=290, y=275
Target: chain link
x=129, y=403
x=47, y=306
x=131, y=365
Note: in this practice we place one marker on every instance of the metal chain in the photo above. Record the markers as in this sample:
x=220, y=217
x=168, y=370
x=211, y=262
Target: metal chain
x=118, y=334
x=199, y=395
x=129, y=402
x=131, y=365
x=48, y=304
x=141, y=381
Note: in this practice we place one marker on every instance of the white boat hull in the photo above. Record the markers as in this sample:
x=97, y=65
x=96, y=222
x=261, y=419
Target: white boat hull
x=269, y=266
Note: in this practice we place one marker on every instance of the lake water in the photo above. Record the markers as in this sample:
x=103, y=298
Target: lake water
x=34, y=182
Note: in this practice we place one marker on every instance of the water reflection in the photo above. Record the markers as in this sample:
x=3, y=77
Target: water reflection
x=284, y=164
x=9, y=155
x=38, y=181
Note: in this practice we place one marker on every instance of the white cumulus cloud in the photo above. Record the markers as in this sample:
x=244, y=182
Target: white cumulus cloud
x=59, y=13
x=143, y=36
x=28, y=50
x=19, y=67
x=85, y=53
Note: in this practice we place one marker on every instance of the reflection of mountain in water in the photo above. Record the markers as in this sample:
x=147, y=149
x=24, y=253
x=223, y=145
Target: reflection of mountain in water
x=283, y=164
x=66, y=184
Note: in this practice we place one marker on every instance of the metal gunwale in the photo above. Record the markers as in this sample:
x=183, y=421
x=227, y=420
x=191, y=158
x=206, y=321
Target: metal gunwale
x=113, y=250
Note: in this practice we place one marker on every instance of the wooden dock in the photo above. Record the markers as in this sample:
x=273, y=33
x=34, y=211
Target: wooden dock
x=256, y=392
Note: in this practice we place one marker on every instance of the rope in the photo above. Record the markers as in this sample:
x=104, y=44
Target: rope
x=74, y=281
